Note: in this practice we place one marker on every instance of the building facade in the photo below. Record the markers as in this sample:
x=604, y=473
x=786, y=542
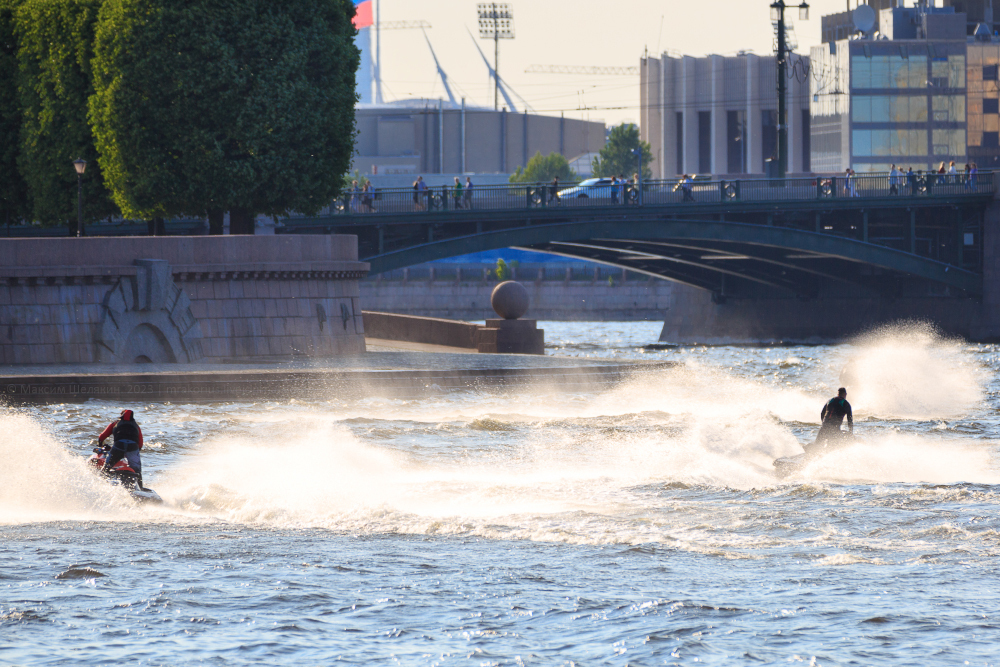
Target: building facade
x=900, y=95
x=437, y=137
x=718, y=115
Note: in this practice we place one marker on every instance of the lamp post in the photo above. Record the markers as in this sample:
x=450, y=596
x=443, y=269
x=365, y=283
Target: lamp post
x=637, y=152
x=778, y=16
x=81, y=166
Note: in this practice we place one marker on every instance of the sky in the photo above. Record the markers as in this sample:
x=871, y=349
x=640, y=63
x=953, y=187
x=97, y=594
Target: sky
x=578, y=32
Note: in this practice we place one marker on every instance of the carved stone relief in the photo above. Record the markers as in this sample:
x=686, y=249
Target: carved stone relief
x=147, y=319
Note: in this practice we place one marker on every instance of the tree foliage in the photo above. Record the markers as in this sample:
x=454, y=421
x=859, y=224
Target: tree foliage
x=55, y=39
x=543, y=168
x=212, y=105
x=616, y=158
x=13, y=191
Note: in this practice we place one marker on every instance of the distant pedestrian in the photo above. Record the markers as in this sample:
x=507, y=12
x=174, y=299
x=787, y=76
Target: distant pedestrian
x=425, y=193
x=894, y=180
x=911, y=180
x=417, y=206
x=614, y=189
x=966, y=173
x=850, y=185
x=973, y=173
x=554, y=191
x=468, y=193
x=355, y=198
x=622, y=188
x=458, y=195
x=368, y=197
x=952, y=172
x=686, y=188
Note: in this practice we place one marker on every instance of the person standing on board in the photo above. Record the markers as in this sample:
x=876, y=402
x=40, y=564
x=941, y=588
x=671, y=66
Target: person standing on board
x=128, y=442
x=832, y=415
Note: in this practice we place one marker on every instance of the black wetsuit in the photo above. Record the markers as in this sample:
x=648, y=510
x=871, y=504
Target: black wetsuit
x=833, y=414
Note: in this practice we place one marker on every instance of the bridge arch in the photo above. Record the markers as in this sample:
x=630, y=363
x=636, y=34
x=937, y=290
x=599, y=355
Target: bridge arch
x=704, y=254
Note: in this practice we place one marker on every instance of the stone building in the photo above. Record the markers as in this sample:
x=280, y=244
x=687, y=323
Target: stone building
x=718, y=115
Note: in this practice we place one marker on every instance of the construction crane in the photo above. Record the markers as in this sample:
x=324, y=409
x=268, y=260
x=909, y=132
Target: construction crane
x=581, y=69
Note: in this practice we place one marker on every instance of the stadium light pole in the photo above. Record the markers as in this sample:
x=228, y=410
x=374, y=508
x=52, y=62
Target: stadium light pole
x=81, y=166
x=778, y=16
x=496, y=22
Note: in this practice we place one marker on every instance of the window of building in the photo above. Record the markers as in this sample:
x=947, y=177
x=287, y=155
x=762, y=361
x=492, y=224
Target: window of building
x=989, y=72
x=948, y=142
x=889, y=109
x=991, y=139
x=890, y=143
x=705, y=142
x=948, y=108
x=991, y=105
x=894, y=72
x=679, y=138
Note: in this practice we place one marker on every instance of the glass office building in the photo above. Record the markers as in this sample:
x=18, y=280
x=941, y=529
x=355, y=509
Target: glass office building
x=983, y=133
x=882, y=102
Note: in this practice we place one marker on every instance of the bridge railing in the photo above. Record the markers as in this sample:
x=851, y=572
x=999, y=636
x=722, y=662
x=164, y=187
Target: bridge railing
x=516, y=196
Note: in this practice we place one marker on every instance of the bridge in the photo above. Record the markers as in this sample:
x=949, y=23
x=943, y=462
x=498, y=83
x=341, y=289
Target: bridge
x=739, y=238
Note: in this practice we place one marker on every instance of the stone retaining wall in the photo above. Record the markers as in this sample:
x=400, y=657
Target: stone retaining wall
x=178, y=299
x=560, y=300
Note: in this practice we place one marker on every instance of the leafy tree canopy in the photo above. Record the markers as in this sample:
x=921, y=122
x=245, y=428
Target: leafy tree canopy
x=13, y=191
x=543, y=168
x=211, y=105
x=616, y=158
x=55, y=39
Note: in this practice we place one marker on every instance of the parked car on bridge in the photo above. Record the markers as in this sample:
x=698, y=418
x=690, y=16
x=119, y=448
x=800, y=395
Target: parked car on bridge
x=597, y=188
x=592, y=188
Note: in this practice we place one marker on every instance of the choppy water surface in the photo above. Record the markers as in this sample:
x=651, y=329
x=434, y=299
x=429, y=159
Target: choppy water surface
x=641, y=525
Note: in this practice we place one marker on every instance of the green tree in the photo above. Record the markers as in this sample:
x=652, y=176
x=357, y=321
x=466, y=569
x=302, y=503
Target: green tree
x=55, y=39
x=13, y=190
x=205, y=106
x=543, y=168
x=616, y=158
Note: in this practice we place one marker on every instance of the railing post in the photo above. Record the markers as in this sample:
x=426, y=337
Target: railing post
x=444, y=197
x=527, y=195
x=542, y=196
x=722, y=191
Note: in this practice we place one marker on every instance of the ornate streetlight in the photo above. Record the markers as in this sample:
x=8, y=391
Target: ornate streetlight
x=778, y=16
x=81, y=166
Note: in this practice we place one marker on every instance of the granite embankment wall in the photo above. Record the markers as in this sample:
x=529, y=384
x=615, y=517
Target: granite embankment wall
x=178, y=299
x=463, y=293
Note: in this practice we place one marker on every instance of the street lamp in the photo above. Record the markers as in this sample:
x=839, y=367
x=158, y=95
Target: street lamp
x=778, y=16
x=81, y=166
x=638, y=153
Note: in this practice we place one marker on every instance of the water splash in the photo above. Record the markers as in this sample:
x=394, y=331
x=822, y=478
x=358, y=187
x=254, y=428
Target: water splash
x=908, y=370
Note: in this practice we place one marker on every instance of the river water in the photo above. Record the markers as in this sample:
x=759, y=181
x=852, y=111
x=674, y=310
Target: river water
x=640, y=525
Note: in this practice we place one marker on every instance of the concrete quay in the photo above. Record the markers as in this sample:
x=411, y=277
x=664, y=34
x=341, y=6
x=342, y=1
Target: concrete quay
x=178, y=299
x=394, y=374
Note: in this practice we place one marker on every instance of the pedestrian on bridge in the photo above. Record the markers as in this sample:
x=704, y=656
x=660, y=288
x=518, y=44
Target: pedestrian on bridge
x=458, y=195
x=468, y=193
x=614, y=190
x=911, y=180
x=554, y=191
x=894, y=180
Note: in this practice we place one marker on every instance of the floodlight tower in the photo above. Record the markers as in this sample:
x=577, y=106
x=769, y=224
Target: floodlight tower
x=496, y=22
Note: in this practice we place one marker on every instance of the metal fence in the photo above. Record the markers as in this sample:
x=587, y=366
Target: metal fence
x=654, y=193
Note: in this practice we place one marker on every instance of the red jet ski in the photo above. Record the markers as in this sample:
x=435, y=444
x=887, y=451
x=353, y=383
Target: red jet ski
x=124, y=476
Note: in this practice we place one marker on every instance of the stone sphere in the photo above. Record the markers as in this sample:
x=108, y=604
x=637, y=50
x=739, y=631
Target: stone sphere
x=509, y=300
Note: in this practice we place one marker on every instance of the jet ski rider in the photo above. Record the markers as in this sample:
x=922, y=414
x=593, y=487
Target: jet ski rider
x=833, y=414
x=128, y=442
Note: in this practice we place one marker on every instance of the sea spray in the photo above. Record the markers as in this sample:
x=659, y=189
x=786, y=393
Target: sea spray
x=908, y=370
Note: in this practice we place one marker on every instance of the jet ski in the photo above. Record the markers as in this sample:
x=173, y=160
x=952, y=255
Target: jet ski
x=121, y=474
x=789, y=465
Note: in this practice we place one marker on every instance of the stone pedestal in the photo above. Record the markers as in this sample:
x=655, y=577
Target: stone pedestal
x=511, y=337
